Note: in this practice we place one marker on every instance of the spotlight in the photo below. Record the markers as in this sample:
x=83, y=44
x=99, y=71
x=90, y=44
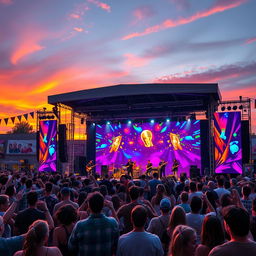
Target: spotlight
x=129, y=122
x=108, y=122
x=228, y=108
x=152, y=121
x=234, y=107
x=189, y=119
x=241, y=107
x=168, y=120
x=93, y=124
x=223, y=108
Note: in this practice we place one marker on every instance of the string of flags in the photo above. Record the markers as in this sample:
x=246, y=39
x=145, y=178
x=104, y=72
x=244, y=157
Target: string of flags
x=19, y=117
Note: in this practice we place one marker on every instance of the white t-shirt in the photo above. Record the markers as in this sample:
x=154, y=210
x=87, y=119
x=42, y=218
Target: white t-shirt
x=139, y=244
x=195, y=221
x=221, y=192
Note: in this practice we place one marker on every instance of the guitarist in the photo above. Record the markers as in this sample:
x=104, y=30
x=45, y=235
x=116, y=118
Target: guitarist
x=148, y=168
x=161, y=168
x=129, y=167
x=175, y=166
x=89, y=167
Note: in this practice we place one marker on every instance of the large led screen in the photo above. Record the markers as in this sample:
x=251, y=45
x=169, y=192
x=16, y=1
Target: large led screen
x=227, y=138
x=47, y=145
x=154, y=141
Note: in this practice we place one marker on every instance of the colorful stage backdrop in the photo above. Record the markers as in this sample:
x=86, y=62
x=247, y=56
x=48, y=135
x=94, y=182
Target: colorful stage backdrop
x=47, y=145
x=227, y=138
x=116, y=143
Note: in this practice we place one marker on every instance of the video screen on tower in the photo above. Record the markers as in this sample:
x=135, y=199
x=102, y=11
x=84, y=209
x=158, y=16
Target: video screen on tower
x=154, y=141
x=227, y=138
x=47, y=145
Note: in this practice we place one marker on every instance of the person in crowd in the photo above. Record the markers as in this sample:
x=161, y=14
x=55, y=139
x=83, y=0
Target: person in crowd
x=66, y=217
x=178, y=217
x=237, y=225
x=125, y=210
x=36, y=241
x=211, y=236
x=192, y=191
x=246, y=201
x=159, y=224
x=153, y=183
x=233, y=183
x=138, y=242
x=184, y=202
x=195, y=219
x=221, y=190
x=180, y=187
x=183, y=241
x=65, y=199
x=4, y=205
x=160, y=194
x=50, y=199
x=35, y=211
x=96, y=235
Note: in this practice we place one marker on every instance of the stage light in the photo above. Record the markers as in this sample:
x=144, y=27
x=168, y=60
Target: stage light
x=152, y=121
x=189, y=119
x=108, y=122
x=228, y=108
x=168, y=120
x=93, y=124
x=223, y=108
x=241, y=107
x=234, y=107
x=129, y=122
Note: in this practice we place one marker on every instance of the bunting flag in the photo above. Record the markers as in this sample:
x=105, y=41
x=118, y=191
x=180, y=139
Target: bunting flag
x=19, y=118
x=32, y=114
x=0, y=121
x=26, y=116
x=6, y=120
x=13, y=119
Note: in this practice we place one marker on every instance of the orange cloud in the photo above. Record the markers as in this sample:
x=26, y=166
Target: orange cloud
x=25, y=49
x=74, y=16
x=134, y=61
x=251, y=40
x=182, y=21
x=78, y=29
x=103, y=6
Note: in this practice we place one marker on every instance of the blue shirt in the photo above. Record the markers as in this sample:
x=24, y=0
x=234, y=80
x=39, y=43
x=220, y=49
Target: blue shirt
x=8, y=246
x=96, y=235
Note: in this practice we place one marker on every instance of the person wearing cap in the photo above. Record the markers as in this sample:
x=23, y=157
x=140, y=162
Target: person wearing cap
x=65, y=199
x=159, y=224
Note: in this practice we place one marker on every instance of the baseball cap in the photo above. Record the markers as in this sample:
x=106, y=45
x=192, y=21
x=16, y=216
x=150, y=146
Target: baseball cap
x=165, y=204
x=65, y=191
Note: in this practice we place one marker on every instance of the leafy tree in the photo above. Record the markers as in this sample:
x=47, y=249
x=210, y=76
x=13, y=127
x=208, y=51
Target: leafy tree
x=22, y=127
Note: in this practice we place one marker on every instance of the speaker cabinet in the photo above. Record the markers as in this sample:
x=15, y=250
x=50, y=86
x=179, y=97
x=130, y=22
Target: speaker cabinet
x=63, y=154
x=194, y=171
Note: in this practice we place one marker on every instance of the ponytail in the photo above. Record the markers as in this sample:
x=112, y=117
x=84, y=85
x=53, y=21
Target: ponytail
x=35, y=237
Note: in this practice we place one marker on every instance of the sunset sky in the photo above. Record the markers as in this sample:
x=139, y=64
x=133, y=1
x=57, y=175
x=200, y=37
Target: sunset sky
x=56, y=46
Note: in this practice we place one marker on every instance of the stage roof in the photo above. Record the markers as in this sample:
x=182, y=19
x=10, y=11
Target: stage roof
x=133, y=100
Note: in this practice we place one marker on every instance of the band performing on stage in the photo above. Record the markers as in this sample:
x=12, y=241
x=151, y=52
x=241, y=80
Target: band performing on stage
x=134, y=170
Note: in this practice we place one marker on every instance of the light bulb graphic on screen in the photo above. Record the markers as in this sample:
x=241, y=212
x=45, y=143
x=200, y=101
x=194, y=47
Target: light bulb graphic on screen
x=115, y=144
x=175, y=140
x=146, y=136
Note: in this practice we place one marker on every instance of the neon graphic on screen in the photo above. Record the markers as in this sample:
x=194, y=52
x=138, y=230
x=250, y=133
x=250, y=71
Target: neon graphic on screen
x=47, y=145
x=227, y=138
x=154, y=141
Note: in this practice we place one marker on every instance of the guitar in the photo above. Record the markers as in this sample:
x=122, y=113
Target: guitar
x=89, y=168
x=174, y=167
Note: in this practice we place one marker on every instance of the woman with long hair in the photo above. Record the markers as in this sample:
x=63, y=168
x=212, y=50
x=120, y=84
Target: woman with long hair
x=178, y=217
x=36, y=240
x=211, y=236
x=67, y=217
x=183, y=241
x=160, y=194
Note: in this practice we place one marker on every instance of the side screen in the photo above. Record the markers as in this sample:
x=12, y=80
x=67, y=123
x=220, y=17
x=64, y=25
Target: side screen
x=154, y=141
x=227, y=138
x=47, y=145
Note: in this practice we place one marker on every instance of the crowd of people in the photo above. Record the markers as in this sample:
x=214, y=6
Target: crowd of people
x=46, y=214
